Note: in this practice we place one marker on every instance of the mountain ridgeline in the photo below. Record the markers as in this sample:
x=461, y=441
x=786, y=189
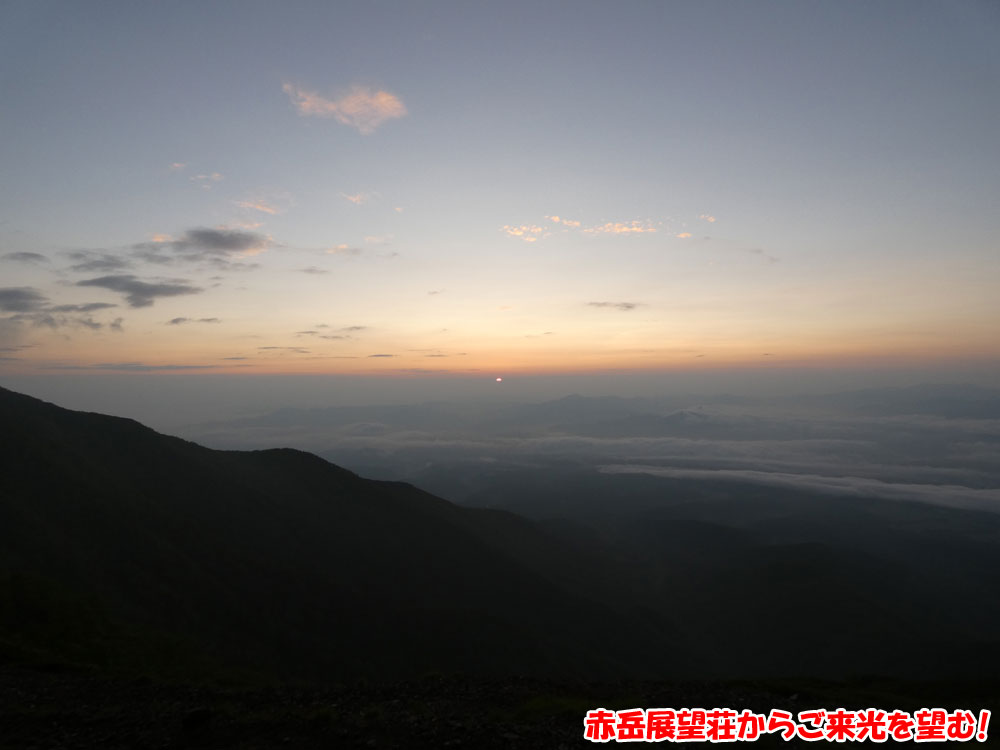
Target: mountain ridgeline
x=124, y=548
x=275, y=562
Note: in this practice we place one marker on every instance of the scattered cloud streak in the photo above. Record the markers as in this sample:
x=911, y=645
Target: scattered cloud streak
x=763, y=254
x=618, y=227
x=526, y=232
x=564, y=221
x=615, y=305
x=207, y=180
x=839, y=485
x=260, y=205
x=344, y=249
x=87, y=307
x=90, y=261
x=130, y=367
x=182, y=321
x=29, y=305
x=30, y=258
x=357, y=199
x=360, y=108
x=22, y=299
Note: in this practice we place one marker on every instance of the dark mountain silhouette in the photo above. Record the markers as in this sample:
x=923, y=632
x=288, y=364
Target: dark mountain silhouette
x=279, y=562
x=123, y=547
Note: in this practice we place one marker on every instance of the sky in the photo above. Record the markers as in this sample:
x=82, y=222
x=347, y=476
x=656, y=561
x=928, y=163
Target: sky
x=517, y=190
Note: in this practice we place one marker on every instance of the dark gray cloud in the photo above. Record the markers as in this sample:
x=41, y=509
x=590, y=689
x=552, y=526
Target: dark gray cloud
x=329, y=336
x=31, y=306
x=140, y=293
x=212, y=245
x=22, y=299
x=370, y=356
x=181, y=321
x=354, y=328
x=46, y=319
x=90, y=261
x=87, y=307
x=33, y=258
x=616, y=305
x=116, y=325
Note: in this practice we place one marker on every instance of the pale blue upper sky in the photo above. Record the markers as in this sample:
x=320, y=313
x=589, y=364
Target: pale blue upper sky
x=822, y=179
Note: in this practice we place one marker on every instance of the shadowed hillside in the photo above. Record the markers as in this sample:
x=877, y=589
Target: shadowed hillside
x=123, y=547
x=279, y=562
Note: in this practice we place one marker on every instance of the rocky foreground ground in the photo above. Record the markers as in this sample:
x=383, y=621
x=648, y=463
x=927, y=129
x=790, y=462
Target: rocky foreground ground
x=65, y=709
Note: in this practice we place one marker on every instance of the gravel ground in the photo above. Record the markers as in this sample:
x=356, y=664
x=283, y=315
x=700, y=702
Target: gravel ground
x=71, y=710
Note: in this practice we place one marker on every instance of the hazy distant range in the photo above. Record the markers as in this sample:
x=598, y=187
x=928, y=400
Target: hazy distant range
x=931, y=443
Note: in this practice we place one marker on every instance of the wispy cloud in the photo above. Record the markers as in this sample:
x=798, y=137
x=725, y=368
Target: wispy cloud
x=618, y=227
x=29, y=305
x=375, y=356
x=707, y=217
x=140, y=293
x=344, y=249
x=90, y=261
x=46, y=319
x=314, y=270
x=361, y=108
x=177, y=166
x=683, y=235
x=357, y=199
x=327, y=336
x=260, y=205
x=130, y=367
x=526, y=232
x=763, y=254
x=182, y=321
x=615, y=305
x=21, y=299
x=32, y=258
x=87, y=307
x=564, y=221
x=292, y=349
x=848, y=486
x=207, y=180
